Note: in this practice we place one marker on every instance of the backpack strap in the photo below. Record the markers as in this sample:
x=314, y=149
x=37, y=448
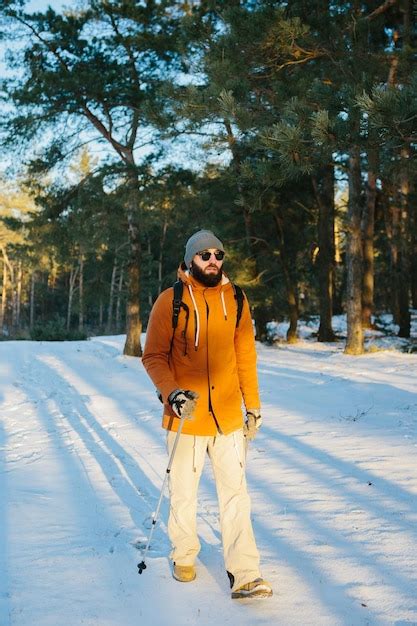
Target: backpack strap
x=176, y=302
x=240, y=299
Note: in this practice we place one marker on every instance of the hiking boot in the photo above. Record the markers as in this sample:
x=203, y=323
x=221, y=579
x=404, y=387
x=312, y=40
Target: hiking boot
x=258, y=588
x=184, y=573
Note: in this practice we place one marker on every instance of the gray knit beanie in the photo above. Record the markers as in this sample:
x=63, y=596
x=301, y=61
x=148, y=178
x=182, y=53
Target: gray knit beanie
x=201, y=240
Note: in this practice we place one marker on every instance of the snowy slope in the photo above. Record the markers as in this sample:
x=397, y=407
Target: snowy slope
x=333, y=477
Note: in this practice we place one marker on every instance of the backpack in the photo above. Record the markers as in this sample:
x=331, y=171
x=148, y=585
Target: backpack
x=177, y=304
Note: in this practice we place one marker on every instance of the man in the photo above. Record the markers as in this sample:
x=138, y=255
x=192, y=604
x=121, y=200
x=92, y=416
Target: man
x=202, y=368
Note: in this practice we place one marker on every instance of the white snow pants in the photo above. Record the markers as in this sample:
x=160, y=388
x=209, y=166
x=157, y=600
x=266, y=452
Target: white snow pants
x=227, y=455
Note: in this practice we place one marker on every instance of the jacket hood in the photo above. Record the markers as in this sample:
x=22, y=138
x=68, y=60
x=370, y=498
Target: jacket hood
x=193, y=285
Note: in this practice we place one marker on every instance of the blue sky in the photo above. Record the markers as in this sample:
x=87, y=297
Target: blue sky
x=41, y=5
x=186, y=152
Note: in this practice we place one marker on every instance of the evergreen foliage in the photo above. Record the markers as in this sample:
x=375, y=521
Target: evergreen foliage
x=274, y=110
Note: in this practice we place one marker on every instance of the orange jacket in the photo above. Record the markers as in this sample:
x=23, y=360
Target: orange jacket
x=209, y=355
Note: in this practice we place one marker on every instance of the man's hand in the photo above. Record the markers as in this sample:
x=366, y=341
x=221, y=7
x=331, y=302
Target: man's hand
x=252, y=423
x=183, y=402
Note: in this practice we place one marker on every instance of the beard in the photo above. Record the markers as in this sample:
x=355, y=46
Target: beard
x=208, y=280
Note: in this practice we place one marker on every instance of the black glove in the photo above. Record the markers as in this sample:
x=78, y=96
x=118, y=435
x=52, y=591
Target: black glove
x=252, y=423
x=183, y=402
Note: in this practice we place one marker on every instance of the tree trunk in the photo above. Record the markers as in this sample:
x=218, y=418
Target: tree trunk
x=394, y=223
x=404, y=274
x=339, y=282
x=413, y=250
x=19, y=278
x=14, y=306
x=149, y=274
x=292, y=336
x=32, y=300
x=391, y=227
x=119, y=298
x=111, y=296
x=395, y=218
x=398, y=213
x=326, y=237
x=81, y=293
x=368, y=228
x=13, y=290
x=3, y=306
x=72, y=279
x=161, y=254
x=290, y=287
x=355, y=340
x=247, y=216
x=261, y=316
x=133, y=322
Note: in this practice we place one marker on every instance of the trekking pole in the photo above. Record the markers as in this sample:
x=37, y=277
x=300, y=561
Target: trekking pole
x=142, y=564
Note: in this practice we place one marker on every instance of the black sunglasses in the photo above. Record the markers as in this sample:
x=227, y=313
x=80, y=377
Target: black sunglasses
x=206, y=255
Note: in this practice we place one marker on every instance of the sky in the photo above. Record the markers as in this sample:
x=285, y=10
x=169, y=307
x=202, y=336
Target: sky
x=41, y=5
x=186, y=153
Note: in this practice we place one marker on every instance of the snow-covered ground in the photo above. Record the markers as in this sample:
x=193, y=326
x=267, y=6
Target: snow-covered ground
x=384, y=335
x=333, y=477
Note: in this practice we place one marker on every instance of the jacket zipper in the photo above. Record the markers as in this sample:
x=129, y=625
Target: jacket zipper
x=208, y=370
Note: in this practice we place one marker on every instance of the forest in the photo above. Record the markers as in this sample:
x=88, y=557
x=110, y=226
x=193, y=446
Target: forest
x=287, y=128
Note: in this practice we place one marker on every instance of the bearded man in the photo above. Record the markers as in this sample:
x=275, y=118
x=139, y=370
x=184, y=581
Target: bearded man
x=204, y=366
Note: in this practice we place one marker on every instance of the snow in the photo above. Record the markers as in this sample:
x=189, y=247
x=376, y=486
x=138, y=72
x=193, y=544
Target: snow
x=383, y=336
x=332, y=476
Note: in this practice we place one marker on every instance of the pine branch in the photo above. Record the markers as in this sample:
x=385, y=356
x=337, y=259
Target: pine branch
x=381, y=9
x=122, y=151
x=130, y=142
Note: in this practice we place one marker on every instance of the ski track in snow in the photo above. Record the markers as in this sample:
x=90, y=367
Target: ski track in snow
x=332, y=476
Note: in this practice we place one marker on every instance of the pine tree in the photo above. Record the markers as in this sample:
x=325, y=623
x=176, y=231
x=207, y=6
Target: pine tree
x=16, y=206
x=93, y=73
